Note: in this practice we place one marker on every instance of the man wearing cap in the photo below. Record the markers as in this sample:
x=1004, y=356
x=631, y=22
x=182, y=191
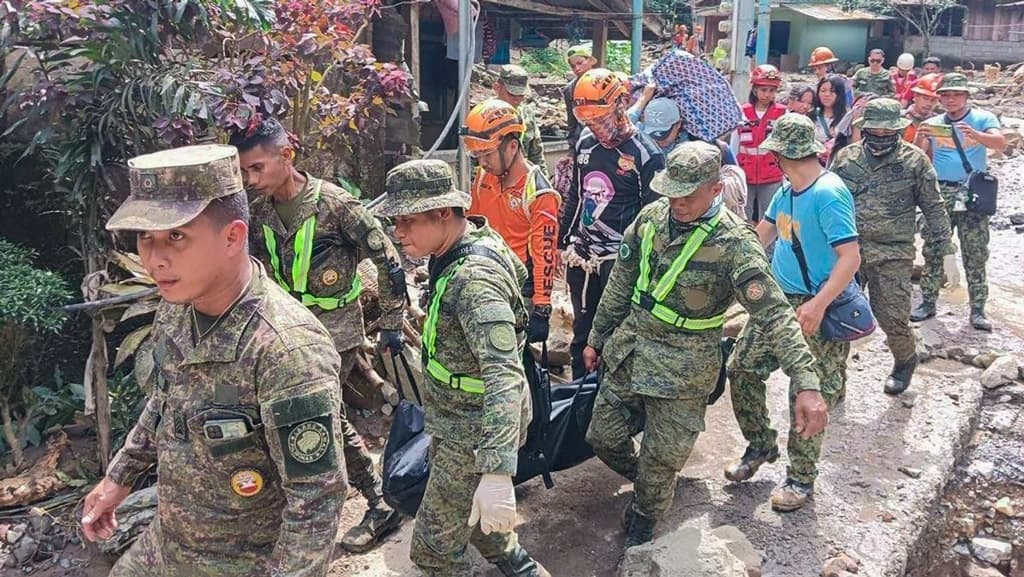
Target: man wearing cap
x=243, y=418
x=813, y=210
x=977, y=130
x=581, y=60
x=924, y=105
x=476, y=397
x=874, y=79
x=310, y=234
x=932, y=65
x=657, y=331
x=889, y=179
x=663, y=122
x=513, y=87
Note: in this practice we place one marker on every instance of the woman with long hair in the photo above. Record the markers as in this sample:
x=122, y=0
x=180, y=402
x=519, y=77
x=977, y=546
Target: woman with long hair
x=830, y=107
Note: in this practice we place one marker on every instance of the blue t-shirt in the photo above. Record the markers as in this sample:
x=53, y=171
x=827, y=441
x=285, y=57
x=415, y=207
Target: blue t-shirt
x=948, y=165
x=823, y=216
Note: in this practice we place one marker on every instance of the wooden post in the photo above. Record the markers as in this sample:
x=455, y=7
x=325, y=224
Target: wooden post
x=600, y=41
x=414, y=45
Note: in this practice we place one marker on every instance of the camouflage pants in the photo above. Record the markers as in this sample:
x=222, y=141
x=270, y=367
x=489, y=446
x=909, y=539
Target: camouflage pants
x=972, y=230
x=670, y=429
x=358, y=462
x=750, y=365
x=441, y=534
x=889, y=288
x=153, y=556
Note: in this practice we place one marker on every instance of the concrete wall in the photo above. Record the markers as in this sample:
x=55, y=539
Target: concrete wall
x=957, y=50
x=847, y=39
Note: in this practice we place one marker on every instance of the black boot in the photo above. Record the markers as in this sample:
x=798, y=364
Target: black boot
x=520, y=564
x=899, y=378
x=750, y=462
x=925, y=310
x=641, y=529
x=628, y=513
x=978, y=320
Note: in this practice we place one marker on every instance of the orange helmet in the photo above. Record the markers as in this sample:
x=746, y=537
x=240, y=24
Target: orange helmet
x=488, y=123
x=596, y=94
x=624, y=79
x=822, y=55
x=766, y=75
x=927, y=84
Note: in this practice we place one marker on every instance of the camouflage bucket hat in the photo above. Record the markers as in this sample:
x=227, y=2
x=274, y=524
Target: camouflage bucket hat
x=793, y=137
x=954, y=82
x=172, y=187
x=419, y=186
x=883, y=114
x=690, y=165
x=515, y=78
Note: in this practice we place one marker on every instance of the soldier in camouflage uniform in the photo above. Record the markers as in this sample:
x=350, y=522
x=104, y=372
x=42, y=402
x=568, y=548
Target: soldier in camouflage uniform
x=242, y=422
x=814, y=210
x=476, y=398
x=889, y=178
x=656, y=335
x=310, y=235
x=513, y=87
x=875, y=78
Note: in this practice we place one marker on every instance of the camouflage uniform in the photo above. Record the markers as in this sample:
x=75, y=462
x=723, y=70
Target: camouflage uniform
x=345, y=234
x=877, y=83
x=480, y=335
x=886, y=190
x=757, y=353
x=241, y=423
x=516, y=81
x=655, y=372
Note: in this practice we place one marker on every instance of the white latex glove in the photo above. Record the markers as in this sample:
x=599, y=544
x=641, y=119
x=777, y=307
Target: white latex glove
x=494, y=504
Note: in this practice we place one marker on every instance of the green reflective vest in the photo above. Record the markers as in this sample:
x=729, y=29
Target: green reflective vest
x=302, y=262
x=650, y=298
x=434, y=368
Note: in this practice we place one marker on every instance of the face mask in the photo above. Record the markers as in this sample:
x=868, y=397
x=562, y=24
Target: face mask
x=610, y=130
x=881, y=145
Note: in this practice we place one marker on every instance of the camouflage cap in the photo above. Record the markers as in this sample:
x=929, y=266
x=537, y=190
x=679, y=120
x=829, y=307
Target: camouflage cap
x=954, y=82
x=515, y=78
x=172, y=187
x=883, y=114
x=793, y=137
x=419, y=186
x=687, y=167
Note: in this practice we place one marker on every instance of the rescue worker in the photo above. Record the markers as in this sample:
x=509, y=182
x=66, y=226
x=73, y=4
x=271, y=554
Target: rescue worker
x=932, y=65
x=813, y=211
x=889, y=179
x=657, y=331
x=610, y=183
x=874, y=79
x=581, y=60
x=904, y=77
x=517, y=201
x=924, y=106
x=761, y=112
x=822, y=63
x=476, y=397
x=244, y=414
x=310, y=234
x=513, y=87
x=977, y=130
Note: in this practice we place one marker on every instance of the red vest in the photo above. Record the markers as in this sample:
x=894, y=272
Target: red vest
x=759, y=164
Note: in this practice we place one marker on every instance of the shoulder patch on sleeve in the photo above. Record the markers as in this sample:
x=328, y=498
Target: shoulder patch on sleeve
x=304, y=425
x=375, y=240
x=625, y=253
x=502, y=337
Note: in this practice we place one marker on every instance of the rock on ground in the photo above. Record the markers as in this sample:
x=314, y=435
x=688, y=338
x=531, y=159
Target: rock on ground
x=686, y=552
x=1001, y=372
x=992, y=551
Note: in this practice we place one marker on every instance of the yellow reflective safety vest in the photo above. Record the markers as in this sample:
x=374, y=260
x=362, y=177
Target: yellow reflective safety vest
x=650, y=295
x=434, y=368
x=302, y=262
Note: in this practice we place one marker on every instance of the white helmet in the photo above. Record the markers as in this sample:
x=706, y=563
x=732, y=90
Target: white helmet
x=905, y=61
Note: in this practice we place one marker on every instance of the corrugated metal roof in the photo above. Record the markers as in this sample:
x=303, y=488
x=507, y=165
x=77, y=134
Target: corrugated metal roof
x=833, y=13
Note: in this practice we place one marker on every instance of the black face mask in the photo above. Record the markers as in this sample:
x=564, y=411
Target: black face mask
x=881, y=145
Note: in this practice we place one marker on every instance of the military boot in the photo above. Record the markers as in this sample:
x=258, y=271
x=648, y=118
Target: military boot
x=520, y=564
x=899, y=378
x=628, y=513
x=978, y=320
x=379, y=520
x=750, y=462
x=925, y=310
x=791, y=495
x=640, y=530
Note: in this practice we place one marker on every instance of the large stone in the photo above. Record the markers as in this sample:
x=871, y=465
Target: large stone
x=840, y=565
x=1001, y=372
x=993, y=551
x=742, y=548
x=685, y=552
x=976, y=570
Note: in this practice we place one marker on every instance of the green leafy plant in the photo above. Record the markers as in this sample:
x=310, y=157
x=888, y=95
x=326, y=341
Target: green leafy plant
x=544, y=61
x=618, y=57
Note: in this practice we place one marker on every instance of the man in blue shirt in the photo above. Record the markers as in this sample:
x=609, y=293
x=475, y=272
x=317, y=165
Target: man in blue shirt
x=977, y=130
x=814, y=211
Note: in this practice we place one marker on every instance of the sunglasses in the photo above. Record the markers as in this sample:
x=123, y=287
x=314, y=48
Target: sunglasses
x=875, y=61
